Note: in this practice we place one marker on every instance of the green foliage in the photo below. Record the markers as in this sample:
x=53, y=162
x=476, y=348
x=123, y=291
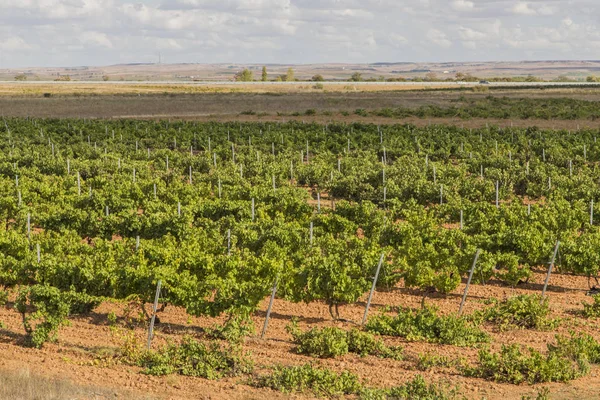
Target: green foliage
x=81, y=303
x=522, y=311
x=429, y=360
x=592, y=310
x=3, y=297
x=193, y=358
x=582, y=348
x=331, y=342
x=310, y=378
x=245, y=76
x=233, y=331
x=511, y=365
x=44, y=310
x=415, y=389
x=425, y=324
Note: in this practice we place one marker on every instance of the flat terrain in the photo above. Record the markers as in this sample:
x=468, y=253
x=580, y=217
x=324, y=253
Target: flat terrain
x=83, y=353
x=168, y=102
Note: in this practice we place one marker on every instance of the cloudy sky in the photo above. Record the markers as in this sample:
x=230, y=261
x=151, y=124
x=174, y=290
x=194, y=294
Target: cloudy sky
x=103, y=32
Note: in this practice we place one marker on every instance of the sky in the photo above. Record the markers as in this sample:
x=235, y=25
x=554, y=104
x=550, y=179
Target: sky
x=104, y=32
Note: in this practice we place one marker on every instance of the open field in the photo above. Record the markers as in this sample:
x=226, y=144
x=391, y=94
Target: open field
x=72, y=101
x=547, y=70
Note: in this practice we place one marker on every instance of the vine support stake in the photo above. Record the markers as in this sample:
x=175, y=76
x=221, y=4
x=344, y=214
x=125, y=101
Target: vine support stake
x=266, y=325
x=153, y=319
x=38, y=251
x=497, y=196
x=372, y=289
x=228, y=242
x=464, y=298
x=461, y=220
x=28, y=226
x=550, y=269
x=253, y=209
x=592, y=212
x=311, y=233
x=137, y=243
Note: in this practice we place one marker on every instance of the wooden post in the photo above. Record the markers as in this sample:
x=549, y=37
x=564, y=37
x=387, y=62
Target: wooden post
x=464, y=298
x=28, y=226
x=38, y=251
x=253, y=209
x=228, y=242
x=264, y=330
x=190, y=175
x=372, y=289
x=550, y=269
x=153, y=319
x=497, y=200
x=106, y=211
x=311, y=233
x=461, y=220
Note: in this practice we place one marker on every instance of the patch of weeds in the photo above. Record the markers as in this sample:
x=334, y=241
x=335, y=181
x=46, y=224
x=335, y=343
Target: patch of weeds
x=429, y=360
x=511, y=365
x=523, y=311
x=425, y=324
x=581, y=347
x=589, y=310
x=310, y=378
x=310, y=111
x=3, y=297
x=194, y=358
x=331, y=342
x=248, y=112
x=416, y=389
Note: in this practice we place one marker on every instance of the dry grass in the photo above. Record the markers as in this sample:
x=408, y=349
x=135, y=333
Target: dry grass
x=37, y=89
x=22, y=385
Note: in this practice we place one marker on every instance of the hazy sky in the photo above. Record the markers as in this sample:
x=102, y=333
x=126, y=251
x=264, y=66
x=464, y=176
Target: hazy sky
x=102, y=32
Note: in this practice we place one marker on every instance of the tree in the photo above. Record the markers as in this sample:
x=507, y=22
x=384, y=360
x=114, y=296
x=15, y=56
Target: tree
x=289, y=77
x=244, y=76
x=431, y=77
x=264, y=74
x=317, y=78
x=591, y=79
x=356, y=77
x=21, y=77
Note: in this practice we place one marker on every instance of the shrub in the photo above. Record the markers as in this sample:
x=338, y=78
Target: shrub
x=523, y=311
x=193, y=358
x=3, y=297
x=425, y=324
x=305, y=378
x=44, y=310
x=333, y=342
x=511, y=365
x=592, y=310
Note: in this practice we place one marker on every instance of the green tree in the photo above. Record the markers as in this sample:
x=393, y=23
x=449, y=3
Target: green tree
x=264, y=74
x=591, y=78
x=356, y=77
x=21, y=77
x=289, y=77
x=317, y=78
x=244, y=76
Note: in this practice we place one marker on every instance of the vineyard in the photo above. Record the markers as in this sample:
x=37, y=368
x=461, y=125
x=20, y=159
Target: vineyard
x=224, y=215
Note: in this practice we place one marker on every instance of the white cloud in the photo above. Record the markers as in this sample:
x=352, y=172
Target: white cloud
x=438, y=37
x=86, y=32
